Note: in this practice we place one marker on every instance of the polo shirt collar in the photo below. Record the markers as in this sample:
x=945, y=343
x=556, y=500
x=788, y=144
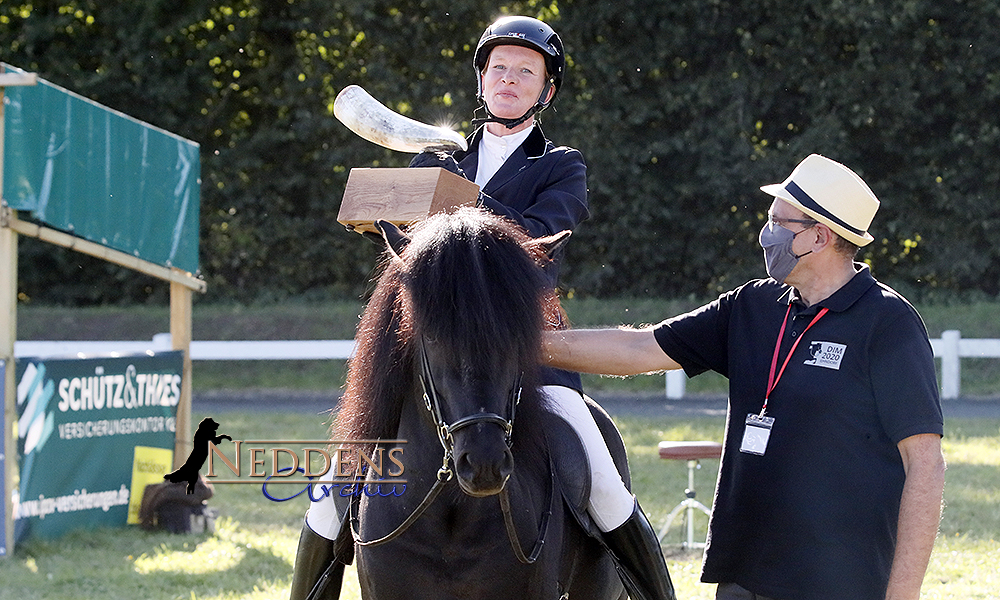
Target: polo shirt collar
x=840, y=300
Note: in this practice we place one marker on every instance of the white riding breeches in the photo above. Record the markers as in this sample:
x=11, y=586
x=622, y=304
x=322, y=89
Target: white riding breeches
x=322, y=517
x=611, y=504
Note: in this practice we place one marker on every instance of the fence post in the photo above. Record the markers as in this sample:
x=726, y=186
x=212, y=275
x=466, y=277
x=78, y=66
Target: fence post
x=951, y=365
x=675, y=382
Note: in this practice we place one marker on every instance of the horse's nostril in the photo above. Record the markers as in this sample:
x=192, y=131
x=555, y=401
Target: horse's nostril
x=464, y=466
x=481, y=476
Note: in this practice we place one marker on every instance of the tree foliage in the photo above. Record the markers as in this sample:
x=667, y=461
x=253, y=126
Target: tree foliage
x=682, y=109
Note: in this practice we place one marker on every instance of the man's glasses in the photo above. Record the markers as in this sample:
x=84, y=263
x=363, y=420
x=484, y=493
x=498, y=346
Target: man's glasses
x=773, y=220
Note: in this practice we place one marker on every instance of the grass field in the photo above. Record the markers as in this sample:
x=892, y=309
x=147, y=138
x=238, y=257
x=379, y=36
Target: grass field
x=252, y=551
x=250, y=556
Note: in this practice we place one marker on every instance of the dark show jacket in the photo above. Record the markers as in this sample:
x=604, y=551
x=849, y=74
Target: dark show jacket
x=542, y=187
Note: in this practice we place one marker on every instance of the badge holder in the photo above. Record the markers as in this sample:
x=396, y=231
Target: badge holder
x=756, y=434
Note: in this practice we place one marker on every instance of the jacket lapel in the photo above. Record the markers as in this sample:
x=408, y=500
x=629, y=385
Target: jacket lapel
x=533, y=148
x=469, y=160
x=516, y=163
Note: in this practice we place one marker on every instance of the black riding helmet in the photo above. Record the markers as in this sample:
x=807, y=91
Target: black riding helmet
x=530, y=33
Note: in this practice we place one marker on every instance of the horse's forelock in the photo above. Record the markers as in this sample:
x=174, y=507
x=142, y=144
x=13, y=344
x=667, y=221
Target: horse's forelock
x=473, y=286
x=465, y=280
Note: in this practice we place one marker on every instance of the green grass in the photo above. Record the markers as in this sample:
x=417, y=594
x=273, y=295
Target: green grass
x=250, y=556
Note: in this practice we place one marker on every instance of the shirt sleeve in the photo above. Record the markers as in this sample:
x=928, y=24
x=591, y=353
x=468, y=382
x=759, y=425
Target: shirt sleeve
x=698, y=340
x=903, y=376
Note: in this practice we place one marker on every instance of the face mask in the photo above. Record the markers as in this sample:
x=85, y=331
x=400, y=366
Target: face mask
x=778, y=254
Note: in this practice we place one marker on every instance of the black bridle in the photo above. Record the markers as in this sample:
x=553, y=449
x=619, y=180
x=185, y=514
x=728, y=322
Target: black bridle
x=432, y=402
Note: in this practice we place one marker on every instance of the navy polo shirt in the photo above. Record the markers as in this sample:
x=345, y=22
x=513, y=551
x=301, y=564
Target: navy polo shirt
x=815, y=516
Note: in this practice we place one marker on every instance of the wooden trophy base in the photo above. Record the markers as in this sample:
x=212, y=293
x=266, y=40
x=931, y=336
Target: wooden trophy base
x=402, y=196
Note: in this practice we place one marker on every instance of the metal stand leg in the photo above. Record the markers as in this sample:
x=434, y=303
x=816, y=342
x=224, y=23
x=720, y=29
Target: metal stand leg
x=689, y=505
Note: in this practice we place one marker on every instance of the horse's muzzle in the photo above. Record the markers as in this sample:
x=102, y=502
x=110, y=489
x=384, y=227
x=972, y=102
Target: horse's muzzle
x=483, y=461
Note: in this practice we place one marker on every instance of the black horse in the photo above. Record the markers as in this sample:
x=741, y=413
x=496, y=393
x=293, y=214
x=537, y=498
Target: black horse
x=447, y=357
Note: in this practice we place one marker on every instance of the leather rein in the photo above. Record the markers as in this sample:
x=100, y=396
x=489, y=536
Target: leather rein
x=432, y=402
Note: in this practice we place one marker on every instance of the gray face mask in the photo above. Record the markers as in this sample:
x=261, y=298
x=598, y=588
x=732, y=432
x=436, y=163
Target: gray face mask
x=778, y=254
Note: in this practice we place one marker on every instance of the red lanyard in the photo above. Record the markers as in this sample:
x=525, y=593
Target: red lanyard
x=772, y=381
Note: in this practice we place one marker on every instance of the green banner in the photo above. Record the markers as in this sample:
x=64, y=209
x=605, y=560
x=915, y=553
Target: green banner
x=83, y=425
x=85, y=169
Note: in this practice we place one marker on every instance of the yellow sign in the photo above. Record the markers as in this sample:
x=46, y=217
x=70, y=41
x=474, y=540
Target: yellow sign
x=149, y=465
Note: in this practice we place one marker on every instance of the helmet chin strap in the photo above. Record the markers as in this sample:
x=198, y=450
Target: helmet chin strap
x=508, y=123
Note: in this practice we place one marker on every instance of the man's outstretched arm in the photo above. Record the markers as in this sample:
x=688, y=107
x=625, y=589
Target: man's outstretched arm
x=623, y=351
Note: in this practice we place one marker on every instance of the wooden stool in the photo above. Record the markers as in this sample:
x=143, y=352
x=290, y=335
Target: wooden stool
x=692, y=452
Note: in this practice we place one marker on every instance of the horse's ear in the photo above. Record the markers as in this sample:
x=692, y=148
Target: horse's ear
x=551, y=243
x=394, y=237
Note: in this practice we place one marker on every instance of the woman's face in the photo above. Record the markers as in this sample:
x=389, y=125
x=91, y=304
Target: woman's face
x=512, y=81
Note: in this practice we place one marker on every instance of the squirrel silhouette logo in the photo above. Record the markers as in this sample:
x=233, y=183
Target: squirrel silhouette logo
x=189, y=470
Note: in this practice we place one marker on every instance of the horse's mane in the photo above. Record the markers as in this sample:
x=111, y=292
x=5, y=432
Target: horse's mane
x=469, y=282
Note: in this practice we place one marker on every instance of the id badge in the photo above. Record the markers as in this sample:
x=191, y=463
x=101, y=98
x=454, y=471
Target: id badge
x=756, y=434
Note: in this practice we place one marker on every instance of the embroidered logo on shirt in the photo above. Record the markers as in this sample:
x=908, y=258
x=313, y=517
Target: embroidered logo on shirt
x=826, y=354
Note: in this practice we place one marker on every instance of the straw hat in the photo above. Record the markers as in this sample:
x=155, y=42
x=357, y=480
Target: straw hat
x=832, y=194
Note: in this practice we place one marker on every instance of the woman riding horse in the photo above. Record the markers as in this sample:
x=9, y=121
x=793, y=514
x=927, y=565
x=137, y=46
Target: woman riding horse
x=520, y=65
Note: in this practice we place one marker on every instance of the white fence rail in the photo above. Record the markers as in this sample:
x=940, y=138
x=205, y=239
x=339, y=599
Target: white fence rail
x=950, y=348
x=200, y=350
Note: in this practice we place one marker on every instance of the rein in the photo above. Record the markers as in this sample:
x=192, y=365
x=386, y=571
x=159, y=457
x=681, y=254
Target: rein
x=543, y=527
x=432, y=403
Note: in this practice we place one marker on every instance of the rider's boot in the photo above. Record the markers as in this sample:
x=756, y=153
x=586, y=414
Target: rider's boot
x=315, y=567
x=639, y=559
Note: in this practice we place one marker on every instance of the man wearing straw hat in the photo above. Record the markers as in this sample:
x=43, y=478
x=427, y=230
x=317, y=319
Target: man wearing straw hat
x=832, y=473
